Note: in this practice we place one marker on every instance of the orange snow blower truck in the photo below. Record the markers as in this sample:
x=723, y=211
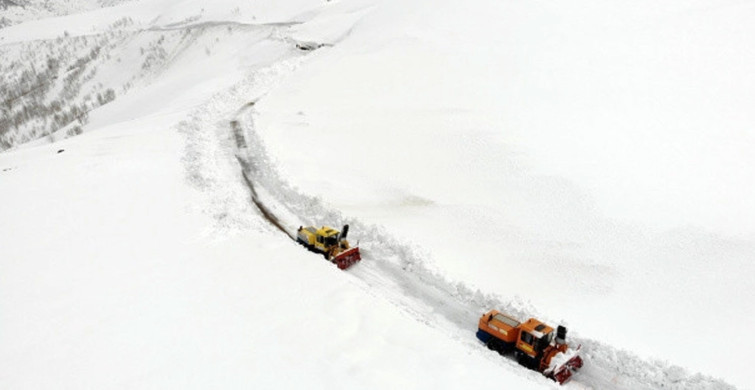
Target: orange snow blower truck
x=532, y=343
x=331, y=243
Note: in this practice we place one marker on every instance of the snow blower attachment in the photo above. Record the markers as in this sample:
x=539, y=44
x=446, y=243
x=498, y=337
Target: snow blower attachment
x=532, y=343
x=331, y=243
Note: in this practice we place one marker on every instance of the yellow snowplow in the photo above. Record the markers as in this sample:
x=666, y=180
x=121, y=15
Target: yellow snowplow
x=331, y=243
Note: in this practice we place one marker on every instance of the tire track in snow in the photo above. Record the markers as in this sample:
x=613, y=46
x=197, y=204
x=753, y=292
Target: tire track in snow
x=245, y=169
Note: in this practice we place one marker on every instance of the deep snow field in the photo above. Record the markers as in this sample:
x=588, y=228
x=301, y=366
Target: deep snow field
x=587, y=162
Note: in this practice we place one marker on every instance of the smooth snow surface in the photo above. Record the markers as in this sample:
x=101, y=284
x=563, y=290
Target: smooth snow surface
x=587, y=163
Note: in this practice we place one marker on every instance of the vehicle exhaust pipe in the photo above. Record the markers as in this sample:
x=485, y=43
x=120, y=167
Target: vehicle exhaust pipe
x=561, y=334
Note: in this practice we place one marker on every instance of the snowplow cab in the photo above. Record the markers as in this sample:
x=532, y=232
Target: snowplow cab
x=325, y=238
x=534, y=338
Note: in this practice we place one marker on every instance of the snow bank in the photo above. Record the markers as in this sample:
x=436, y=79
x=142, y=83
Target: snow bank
x=464, y=156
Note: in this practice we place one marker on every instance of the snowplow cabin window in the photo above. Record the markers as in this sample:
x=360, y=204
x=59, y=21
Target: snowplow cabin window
x=546, y=340
x=527, y=338
x=506, y=320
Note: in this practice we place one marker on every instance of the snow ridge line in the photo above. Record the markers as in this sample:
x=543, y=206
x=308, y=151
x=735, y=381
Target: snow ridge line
x=188, y=25
x=269, y=215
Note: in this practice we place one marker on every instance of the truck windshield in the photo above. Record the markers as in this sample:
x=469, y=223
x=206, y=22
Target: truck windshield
x=528, y=338
x=332, y=240
x=544, y=341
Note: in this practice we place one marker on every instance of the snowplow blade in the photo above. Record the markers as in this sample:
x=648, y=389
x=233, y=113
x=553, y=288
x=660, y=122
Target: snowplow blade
x=347, y=258
x=565, y=371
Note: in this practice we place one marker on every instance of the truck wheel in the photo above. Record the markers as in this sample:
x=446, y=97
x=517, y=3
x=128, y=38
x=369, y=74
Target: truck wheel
x=526, y=361
x=520, y=358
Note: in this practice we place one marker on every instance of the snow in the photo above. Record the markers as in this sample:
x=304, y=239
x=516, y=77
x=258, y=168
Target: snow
x=585, y=163
x=561, y=358
x=154, y=303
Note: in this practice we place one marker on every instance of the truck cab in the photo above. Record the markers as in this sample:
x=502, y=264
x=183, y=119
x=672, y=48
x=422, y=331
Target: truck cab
x=325, y=238
x=534, y=338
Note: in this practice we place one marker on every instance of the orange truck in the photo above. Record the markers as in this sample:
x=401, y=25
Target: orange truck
x=534, y=344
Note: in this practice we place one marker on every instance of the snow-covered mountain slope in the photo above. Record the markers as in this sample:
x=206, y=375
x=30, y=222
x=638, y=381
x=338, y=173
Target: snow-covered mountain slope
x=592, y=161
x=477, y=150
x=111, y=280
